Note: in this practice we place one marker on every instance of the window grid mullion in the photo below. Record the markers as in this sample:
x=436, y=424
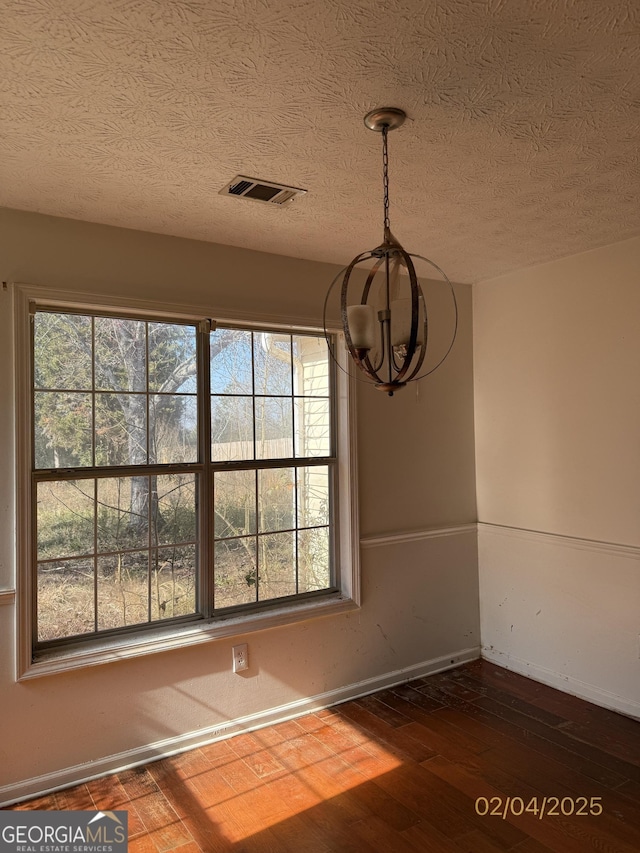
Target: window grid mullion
x=280, y=462
x=205, y=518
x=294, y=451
x=255, y=458
x=240, y=536
x=95, y=555
x=93, y=391
x=103, y=472
x=95, y=482
x=204, y=472
x=257, y=534
x=253, y=394
x=152, y=553
x=293, y=413
x=146, y=388
x=296, y=501
x=33, y=506
x=150, y=519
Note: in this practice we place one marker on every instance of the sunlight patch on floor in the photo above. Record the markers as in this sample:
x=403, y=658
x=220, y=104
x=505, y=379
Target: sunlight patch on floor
x=254, y=781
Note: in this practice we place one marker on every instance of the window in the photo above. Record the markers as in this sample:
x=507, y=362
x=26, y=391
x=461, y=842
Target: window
x=183, y=478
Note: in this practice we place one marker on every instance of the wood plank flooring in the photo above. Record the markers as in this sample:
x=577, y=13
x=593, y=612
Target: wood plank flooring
x=477, y=759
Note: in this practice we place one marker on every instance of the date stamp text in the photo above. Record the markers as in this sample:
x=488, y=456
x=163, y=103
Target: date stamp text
x=539, y=807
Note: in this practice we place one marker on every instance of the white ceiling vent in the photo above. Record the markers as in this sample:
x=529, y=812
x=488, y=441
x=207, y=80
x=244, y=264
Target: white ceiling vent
x=258, y=190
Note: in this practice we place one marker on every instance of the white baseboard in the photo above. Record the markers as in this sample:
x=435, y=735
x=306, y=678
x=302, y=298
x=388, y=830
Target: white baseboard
x=566, y=683
x=46, y=784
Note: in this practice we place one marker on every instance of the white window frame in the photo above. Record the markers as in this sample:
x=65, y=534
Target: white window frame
x=108, y=649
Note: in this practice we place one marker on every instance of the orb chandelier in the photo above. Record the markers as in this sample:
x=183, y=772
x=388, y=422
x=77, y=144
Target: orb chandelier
x=382, y=306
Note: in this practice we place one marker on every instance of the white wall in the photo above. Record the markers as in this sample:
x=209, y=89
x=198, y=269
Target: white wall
x=420, y=597
x=557, y=412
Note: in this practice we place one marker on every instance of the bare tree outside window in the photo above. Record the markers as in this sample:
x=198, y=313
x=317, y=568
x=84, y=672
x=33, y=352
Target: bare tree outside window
x=125, y=489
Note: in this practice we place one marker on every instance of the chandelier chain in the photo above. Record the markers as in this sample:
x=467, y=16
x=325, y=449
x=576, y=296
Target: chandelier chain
x=385, y=181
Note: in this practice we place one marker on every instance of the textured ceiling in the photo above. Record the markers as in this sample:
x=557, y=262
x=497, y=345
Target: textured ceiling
x=522, y=144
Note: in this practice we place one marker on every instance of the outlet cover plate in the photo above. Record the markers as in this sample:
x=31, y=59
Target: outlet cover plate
x=240, y=658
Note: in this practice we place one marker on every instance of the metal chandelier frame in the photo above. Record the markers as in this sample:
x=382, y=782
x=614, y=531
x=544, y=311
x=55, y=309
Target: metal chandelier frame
x=398, y=354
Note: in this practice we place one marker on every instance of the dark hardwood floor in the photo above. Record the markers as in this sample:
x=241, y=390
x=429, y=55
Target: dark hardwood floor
x=476, y=759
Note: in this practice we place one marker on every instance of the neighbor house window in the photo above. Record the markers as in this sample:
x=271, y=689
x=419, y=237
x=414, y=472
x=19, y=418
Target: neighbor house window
x=182, y=473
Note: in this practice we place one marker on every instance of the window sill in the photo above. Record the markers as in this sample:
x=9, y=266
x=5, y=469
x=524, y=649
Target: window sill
x=123, y=648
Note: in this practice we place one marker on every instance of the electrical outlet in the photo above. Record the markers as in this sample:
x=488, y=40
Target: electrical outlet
x=240, y=658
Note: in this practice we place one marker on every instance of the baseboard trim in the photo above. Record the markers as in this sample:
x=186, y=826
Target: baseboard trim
x=615, y=549
x=416, y=535
x=80, y=773
x=7, y=596
x=566, y=683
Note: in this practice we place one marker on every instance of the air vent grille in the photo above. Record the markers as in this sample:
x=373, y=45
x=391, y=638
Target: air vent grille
x=285, y=196
x=255, y=189
x=239, y=188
